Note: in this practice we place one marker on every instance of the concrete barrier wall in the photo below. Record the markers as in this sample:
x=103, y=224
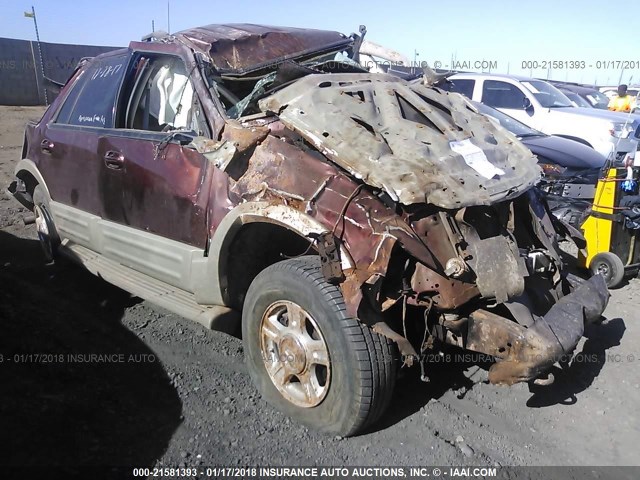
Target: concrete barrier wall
x=21, y=80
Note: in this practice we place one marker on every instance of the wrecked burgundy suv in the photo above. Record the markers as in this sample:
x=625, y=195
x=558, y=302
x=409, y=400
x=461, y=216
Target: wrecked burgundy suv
x=356, y=220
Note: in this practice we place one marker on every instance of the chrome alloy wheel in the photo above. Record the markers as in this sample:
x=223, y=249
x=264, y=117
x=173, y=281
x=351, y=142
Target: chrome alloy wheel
x=295, y=354
x=41, y=222
x=44, y=233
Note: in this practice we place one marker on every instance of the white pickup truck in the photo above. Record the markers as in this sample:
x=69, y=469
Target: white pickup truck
x=543, y=107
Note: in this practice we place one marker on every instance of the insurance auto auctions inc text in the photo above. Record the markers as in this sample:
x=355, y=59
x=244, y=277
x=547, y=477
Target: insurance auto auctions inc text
x=365, y=472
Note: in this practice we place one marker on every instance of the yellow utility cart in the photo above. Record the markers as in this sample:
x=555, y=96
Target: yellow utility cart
x=611, y=238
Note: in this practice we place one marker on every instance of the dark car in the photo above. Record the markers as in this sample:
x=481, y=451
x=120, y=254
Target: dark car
x=571, y=169
x=583, y=95
x=258, y=179
x=576, y=99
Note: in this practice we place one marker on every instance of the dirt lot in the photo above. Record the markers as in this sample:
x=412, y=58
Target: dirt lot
x=165, y=391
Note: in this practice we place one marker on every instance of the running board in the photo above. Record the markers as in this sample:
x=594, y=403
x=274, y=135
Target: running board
x=155, y=291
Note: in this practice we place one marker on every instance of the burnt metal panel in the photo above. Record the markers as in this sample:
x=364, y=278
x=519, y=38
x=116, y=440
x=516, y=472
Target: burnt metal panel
x=397, y=136
x=244, y=47
x=524, y=353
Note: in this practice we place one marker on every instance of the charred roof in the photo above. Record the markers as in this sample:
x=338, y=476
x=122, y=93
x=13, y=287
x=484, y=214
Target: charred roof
x=243, y=47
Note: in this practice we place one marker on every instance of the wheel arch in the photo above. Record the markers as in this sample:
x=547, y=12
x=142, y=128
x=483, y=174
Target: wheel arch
x=27, y=171
x=251, y=237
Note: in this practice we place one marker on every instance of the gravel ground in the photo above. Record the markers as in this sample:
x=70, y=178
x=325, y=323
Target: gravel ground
x=166, y=391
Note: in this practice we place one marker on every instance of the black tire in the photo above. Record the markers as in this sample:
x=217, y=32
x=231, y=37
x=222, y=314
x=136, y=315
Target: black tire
x=610, y=266
x=49, y=240
x=362, y=363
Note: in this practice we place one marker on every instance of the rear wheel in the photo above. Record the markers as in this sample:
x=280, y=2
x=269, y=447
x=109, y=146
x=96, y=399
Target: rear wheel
x=47, y=234
x=307, y=357
x=609, y=266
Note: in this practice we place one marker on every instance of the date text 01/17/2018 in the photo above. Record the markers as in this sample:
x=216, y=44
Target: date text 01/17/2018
x=580, y=64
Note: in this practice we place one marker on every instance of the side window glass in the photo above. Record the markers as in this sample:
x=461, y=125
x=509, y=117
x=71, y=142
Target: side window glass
x=163, y=98
x=70, y=101
x=91, y=102
x=463, y=86
x=499, y=94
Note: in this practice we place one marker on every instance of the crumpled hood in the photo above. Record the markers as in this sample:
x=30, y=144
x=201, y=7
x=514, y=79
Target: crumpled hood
x=398, y=136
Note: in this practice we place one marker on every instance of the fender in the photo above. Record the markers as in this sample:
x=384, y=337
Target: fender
x=209, y=282
x=29, y=166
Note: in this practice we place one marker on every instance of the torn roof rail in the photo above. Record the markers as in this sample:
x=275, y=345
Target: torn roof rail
x=241, y=48
x=157, y=35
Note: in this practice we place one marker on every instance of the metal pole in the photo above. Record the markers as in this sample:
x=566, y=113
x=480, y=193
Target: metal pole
x=35, y=70
x=168, y=19
x=35, y=23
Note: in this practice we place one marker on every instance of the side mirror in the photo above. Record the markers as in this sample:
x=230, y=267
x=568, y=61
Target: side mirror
x=182, y=137
x=528, y=106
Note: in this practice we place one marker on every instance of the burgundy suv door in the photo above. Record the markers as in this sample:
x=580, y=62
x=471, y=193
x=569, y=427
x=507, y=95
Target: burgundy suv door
x=76, y=174
x=163, y=182
x=163, y=189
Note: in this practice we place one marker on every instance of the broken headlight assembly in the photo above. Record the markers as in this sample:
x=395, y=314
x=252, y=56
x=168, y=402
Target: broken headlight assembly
x=552, y=169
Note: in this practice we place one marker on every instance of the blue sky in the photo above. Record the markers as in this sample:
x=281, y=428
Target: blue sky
x=505, y=33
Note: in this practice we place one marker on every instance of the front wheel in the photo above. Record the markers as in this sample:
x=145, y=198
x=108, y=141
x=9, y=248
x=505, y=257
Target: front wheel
x=307, y=357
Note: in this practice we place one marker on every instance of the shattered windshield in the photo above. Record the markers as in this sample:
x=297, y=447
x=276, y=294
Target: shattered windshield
x=240, y=95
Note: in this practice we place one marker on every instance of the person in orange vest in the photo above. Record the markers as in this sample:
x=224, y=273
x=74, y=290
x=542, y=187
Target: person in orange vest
x=621, y=102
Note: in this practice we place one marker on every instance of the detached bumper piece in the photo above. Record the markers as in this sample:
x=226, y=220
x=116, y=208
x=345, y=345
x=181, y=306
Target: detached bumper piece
x=524, y=353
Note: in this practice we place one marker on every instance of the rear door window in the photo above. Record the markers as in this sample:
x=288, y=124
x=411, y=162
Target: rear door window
x=69, y=103
x=91, y=102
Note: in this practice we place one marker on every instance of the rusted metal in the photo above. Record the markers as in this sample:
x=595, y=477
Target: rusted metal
x=240, y=48
x=244, y=137
x=497, y=268
x=525, y=353
x=447, y=293
x=398, y=137
x=330, y=258
x=409, y=354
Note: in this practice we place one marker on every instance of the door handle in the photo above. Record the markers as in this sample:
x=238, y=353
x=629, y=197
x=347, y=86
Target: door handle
x=114, y=160
x=46, y=146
